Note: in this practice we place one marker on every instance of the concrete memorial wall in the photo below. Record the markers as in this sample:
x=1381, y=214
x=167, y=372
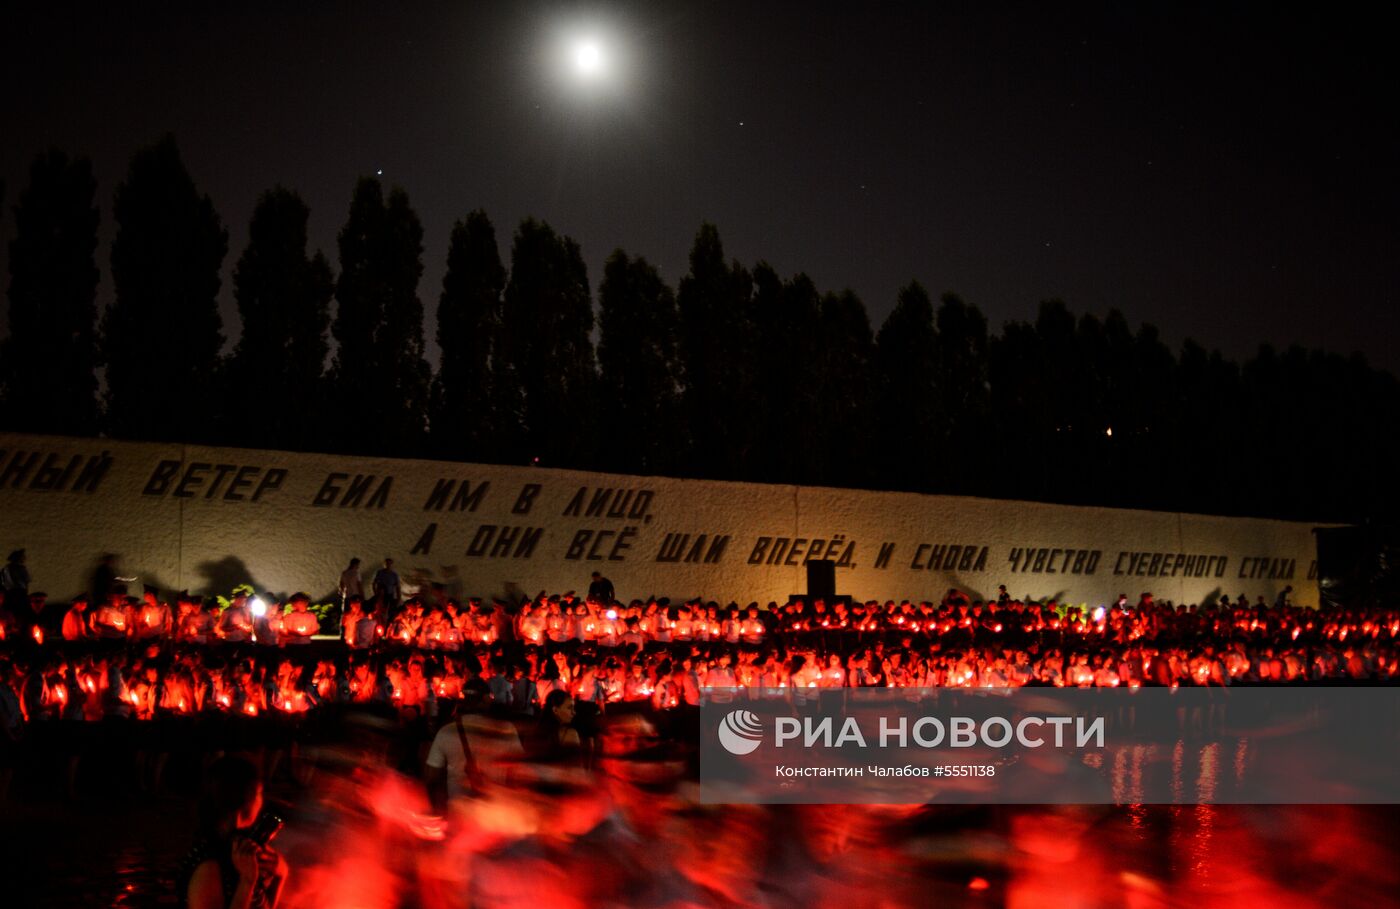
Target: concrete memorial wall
x=187, y=517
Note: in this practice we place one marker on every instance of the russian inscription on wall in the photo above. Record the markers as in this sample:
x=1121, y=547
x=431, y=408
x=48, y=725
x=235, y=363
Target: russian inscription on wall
x=186, y=517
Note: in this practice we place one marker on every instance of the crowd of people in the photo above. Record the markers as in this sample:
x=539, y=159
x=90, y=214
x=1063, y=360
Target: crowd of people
x=148, y=661
x=132, y=682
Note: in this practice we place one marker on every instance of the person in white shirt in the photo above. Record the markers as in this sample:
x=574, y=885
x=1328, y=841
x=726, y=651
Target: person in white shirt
x=352, y=584
x=468, y=753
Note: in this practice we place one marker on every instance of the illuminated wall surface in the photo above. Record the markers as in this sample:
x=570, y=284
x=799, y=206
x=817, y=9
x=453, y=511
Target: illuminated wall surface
x=189, y=517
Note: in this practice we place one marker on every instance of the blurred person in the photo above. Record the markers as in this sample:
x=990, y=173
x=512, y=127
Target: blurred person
x=199, y=625
x=110, y=623
x=469, y=752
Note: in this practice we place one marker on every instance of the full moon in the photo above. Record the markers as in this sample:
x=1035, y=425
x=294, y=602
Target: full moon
x=588, y=57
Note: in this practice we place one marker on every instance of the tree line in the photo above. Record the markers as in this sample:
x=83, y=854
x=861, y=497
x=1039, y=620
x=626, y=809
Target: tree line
x=738, y=373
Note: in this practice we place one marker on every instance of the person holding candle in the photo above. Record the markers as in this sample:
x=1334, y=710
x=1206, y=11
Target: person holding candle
x=236, y=622
x=299, y=625
x=153, y=620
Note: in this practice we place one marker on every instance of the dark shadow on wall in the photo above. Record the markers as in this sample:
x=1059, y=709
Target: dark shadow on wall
x=220, y=577
x=114, y=583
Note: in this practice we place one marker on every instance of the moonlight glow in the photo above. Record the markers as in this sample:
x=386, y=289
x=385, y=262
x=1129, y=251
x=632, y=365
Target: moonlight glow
x=588, y=58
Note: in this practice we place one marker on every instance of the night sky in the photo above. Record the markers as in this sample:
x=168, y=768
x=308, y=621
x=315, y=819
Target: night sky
x=1228, y=173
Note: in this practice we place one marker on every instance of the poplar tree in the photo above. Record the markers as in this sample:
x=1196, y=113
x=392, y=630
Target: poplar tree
x=846, y=391
x=641, y=424
x=50, y=357
x=162, y=335
x=379, y=379
x=548, y=362
x=962, y=415
x=906, y=362
x=283, y=295
x=462, y=412
x=717, y=356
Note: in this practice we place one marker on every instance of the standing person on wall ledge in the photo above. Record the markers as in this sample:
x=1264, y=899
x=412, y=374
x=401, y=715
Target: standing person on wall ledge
x=386, y=586
x=351, y=584
x=14, y=582
x=1282, y=600
x=601, y=589
x=104, y=580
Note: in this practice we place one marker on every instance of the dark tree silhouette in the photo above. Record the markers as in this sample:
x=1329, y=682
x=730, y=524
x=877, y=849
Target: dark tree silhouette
x=640, y=417
x=845, y=391
x=1207, y=402
x=548, y=353
x=50, y=357
x=906, y=368
x=275, y=374
x=468, y=325
x=162, y=335
x=962, y=406
x=787, y=329
x=379, y=379
x=737, y=375
x=717, y=354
